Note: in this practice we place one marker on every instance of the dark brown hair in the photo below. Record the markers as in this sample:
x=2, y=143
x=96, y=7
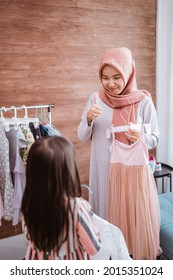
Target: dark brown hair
x=51, y=180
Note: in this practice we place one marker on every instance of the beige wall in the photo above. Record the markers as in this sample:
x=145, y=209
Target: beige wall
x=50, y=52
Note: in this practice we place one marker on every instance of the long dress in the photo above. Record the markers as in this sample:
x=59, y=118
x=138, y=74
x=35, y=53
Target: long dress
x=6, y=185
x=100, y=154
x=133, y=199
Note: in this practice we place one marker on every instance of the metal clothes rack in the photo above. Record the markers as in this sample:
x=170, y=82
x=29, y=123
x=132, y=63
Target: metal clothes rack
x=23, y=107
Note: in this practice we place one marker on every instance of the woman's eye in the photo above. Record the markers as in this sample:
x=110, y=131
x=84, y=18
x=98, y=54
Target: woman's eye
x=117, y=77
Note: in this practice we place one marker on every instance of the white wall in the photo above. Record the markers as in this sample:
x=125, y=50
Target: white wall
x=164, y=79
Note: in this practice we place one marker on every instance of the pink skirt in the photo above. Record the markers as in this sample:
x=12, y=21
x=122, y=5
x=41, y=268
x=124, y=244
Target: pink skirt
x=133, y=203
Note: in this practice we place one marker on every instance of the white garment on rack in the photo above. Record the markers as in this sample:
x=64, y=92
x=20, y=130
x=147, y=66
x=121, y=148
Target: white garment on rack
x=19, y=178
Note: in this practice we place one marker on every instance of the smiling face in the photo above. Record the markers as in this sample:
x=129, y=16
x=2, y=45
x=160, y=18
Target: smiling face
x=112, y=80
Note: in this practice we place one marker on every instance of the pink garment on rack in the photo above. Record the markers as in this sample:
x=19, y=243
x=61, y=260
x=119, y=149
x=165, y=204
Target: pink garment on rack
x=133, y=203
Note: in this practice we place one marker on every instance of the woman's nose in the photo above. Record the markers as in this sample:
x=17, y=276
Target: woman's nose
x=111, y=83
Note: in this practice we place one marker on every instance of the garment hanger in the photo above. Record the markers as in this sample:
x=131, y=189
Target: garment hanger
x=26, y=120
x=26, y=111
x=145, y=127
x=14, y=119
x=43, y=118
x=1, y=112
x=4, y=122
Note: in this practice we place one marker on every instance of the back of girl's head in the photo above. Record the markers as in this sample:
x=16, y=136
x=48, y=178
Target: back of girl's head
x=51, y=180
x=51, y=163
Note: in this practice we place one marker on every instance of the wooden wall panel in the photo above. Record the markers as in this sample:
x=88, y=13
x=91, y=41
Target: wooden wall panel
x=50, y=53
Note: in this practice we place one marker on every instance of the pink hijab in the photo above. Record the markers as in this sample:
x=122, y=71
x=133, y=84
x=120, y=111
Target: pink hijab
x=125, y=105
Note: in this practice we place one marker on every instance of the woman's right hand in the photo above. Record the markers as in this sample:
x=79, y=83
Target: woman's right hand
x=94, y=111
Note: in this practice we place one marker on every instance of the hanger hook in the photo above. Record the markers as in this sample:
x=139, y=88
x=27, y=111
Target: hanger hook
x=26, y=111
x=15, y=111
x=3, y=109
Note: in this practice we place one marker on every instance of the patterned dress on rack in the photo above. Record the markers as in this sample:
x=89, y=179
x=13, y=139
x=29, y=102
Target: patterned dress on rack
x=29, y=141
x=17, y=140
x=6, y=186
x=1, y=209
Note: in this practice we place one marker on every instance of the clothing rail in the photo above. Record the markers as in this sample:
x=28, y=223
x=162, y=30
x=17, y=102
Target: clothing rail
x=28, y=107
x=23, y=107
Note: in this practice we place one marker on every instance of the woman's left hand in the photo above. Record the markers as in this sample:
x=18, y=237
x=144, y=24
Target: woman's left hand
x=133, y=135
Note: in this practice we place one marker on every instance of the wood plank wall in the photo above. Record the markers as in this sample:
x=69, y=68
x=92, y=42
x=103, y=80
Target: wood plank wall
x=50, y=53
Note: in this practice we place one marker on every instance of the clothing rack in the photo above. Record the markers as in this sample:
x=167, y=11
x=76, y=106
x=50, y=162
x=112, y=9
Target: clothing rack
x=18, y=131
x=23, y=107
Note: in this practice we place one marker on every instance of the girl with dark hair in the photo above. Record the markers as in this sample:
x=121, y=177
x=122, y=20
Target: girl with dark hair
x=56, y=220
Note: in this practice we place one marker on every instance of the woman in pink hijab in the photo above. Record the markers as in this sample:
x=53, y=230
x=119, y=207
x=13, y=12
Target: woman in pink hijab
x=121, y=122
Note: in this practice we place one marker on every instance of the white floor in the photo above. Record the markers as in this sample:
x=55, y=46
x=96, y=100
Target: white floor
x=13, y=248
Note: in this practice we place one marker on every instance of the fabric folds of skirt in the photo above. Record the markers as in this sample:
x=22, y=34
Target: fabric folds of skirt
x=133, y=206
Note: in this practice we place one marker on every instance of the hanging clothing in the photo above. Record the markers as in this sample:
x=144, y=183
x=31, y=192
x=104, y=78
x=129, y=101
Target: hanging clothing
x=35, y=131
x=43, y=130
x=19, y=176
x=83, y=238
x=29, y=141
x=1, y=209
x=133, y=203
x=6, y=186
x=17, y=140
x=52, y=130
